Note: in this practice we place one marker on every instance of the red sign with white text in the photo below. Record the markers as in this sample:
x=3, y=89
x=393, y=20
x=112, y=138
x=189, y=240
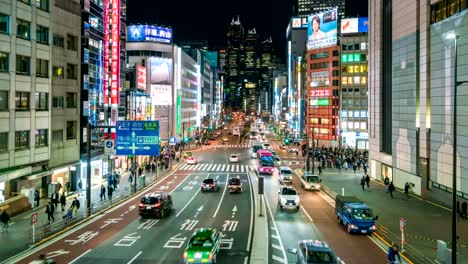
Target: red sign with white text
x=105, y=52
x=115, y=58
x=141, y=77
x=319, y=93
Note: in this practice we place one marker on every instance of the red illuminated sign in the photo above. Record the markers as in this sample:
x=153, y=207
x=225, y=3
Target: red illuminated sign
x=141, y=77
x=106, y=52
x=115, y=59
x=319, y=93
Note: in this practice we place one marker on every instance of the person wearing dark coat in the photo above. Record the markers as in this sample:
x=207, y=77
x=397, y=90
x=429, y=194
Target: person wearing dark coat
x=391, y=188
x=464, y=208
x=36, y=197
x=54, y=198
x=367, y=180
x=50, y=212
x=4, y=220
x=109, y=192
x=63, y=201
x=103, y=192
x=363, y=182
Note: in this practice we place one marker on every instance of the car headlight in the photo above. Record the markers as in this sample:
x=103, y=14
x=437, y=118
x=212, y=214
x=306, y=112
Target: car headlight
x=372, y=227
x=352, y=226
x=283, y=200
x=296, y=201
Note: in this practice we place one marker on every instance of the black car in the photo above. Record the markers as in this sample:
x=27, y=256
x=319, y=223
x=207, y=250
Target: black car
x=155, y=204
x=234, y=185
x=209, y=185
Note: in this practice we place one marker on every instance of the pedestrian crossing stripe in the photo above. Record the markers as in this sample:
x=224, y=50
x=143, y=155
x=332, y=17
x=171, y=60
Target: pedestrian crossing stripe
x=235, y=146
x=218, y=167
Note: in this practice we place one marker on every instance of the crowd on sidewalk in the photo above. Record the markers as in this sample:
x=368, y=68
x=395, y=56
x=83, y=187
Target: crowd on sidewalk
x=346, y=158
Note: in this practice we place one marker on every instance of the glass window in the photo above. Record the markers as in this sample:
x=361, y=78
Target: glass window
x=320, y=55
x=363, y=91
x=42, y=68
x=344, y=69
x=363, y=80
x=364, y=102
x=72, y=42
x=4, y=23
x=363, y=45
x=335, y=73
x=25, y=1
x=350, y=47
x=350, y=125
x=4, y=62
x=335, y=83
x=325, y=121
x=21, y=139
x=356, y=46
x=344, y=125
x=23, y=29
x=314, y=120
x=363, y=57
x=59, y=41
x=71, y=71
x=3, y=100
x=336, y=63
x=42, y=34
x=3, y=141
x=71, y=100
x=57, y=136
x=335, y=53
x=43, y=4
x=324, y=131
x=350, y=69
x=350, y=113
x=23, y=64
x=357, y=79
x=57, y=102
x=42, y=101
x=40, y=137
x=363, y=68
x=363, y=125
x=344, y=47
x=57, y=72
x=71, y=129
x=22, y=101
x=350, y=80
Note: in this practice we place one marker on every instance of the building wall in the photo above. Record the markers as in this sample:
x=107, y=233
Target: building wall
x=63, y=149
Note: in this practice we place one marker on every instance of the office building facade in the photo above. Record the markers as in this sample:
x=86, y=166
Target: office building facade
x=307, y=7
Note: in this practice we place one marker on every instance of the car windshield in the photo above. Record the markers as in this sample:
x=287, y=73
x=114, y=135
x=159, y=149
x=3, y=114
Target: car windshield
x=256, y=148
x=266, y=145
x=150, y=200
x=313, y=179
x=319, y=257
x=234, y=181
x=208, y=181
x=267, y=161
x=286, y=172
x=201, y=242
x=362, y=214
x=288, y=191
x=276, y=158
x=233, y=156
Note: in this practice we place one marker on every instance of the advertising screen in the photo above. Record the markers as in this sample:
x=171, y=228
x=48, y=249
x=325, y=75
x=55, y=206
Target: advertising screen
x=354, y=25
x=137, y=33
x=212, y=57
x=322, y=31
x=296, y=22
x=161, y=70
x=141, y=77
x=319, y=79
x=161, y=94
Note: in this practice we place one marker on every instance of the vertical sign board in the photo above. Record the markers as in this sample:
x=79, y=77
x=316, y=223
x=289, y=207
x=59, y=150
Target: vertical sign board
x=115, y=61
x=137, y=138
x=105, y=52
x=260, y=185
x=178, y=115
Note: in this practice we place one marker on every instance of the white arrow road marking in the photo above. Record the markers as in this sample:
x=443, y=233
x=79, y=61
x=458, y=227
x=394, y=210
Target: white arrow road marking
x=234, y=211
x=187, y=188
x=199, y=210
x=164, y=187
x=147, y=224
x=136, y=256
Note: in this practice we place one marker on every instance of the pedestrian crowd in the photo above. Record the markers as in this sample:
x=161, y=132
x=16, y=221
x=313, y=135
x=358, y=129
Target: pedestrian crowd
x=339, y=158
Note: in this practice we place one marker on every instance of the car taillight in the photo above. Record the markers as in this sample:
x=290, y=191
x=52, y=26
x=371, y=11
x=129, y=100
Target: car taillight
x=141, y=205
x=211, y=255
x=157, y=205
x=185, y=255
x=212, y=185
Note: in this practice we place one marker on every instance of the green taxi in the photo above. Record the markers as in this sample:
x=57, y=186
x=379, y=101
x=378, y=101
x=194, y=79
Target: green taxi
x=203, y=246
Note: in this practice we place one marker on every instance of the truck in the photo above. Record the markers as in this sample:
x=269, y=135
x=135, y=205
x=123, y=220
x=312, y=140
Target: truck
x=355, y=215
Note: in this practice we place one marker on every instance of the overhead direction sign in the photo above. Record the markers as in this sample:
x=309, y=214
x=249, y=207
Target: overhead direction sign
x=137, y=138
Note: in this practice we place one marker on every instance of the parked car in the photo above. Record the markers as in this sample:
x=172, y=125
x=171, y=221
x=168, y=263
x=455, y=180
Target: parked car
x=155, y=204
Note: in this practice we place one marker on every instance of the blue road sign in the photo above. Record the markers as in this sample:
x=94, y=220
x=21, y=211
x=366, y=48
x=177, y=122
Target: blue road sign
x=172, y=140
x=137, y=138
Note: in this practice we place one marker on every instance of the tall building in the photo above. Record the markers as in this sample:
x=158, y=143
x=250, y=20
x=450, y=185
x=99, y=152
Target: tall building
x=66, y=85
x=194, y=44
x=25, y=89
x=412, y=79
x=232, y=90
x=307, y=7
x=250, y=78
x=354, y=100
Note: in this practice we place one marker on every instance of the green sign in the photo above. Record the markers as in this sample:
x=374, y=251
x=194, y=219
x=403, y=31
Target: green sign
x=357, y=57
x=344, y=58
x=323, y=102
x=151, y=125
x=178, y=115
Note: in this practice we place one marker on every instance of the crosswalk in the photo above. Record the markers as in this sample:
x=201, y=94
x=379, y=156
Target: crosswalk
x=234, y=146
x=218, y=167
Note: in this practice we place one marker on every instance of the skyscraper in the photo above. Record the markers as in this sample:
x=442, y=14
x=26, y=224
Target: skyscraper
x=232, y=69
x=307, y=7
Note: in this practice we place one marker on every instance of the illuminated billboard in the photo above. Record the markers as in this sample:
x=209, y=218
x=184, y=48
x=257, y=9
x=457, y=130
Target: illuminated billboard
x=320, y=78
x=141, y=77
x=322, y=32
x=161, y=70
x=296, y=22
x=138, y=33
x=320, y=102
x=161, y=94
x=321, y=93
x=354, y=25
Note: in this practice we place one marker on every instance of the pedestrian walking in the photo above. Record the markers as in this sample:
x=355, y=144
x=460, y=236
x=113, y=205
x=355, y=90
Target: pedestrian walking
x=386, y=180
x=103, y=192
x=80, y=187
x=459, y=212
x=54, y=198
x=59, y=187
x=50, y=212
x=363, y=182
x=320, y=170
x=109, y=192
x=464, y=208
x=407, y=188
x=5, y=221
x=114, y=183
x=75, y=206
x=63, y=201
x=354, y=168
x=67, y=187
x=391, y=188
x=367, y=180
x=36, y=197
x=364, y=167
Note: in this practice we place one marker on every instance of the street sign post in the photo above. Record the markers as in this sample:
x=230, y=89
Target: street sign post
x=109, y=147
x=33, y=222
x=402, y=228
x=137, y=138
x=172, y=141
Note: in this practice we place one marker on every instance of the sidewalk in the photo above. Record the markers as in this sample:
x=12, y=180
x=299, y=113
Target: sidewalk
x=426, y=222
x=19, y=236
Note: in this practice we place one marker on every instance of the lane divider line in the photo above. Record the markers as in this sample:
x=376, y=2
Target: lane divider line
x=222, y=197
x=77, y=258
x=135, y=257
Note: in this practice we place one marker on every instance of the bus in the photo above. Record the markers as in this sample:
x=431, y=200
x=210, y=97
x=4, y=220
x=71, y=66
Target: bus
x=266, y=165
x=256, y=147
x=264, y=153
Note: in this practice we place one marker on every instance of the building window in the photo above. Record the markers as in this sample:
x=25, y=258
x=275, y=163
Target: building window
x=336, y=83
x=21, y=139
x=71, y=71
x=42, y=34
x=350, y=69
x=57, y=102
x=42, y=101
x=71, y=129
x=350, y=47
x=72, y=42
x=42, y=68
x=22, y=101
x=40, y=137
x=324, y=121
x=314, y=120
x=59, y=41
x=57, y=72
x=335, y=53
x=23, y=64
x=336, y=63
x=335, y=73
x=357, y=46
x=4, y=62
x=344, y=47
x=3, y=100
x=320, y=55
x=57, y=136
x=23, y=29
x=363, y=68
x=3, y=141
x=71, y=100
x=344, y=80
x=363, y=80
x=363, y=57
x=43, y=4
x=357, y=79
x=363, y=45
x=350, y=80
x=4, y=23
x=319, y=65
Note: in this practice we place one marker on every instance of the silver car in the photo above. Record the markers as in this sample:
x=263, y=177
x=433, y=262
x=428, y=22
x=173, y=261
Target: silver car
x=285, y=175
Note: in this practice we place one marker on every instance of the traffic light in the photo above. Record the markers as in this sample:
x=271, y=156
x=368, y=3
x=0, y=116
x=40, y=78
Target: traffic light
x=211, y=127
x=228, y=117
x=286, y=141
x=186, y=139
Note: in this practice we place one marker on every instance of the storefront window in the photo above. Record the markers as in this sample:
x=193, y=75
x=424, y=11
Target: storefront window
x=344, y=80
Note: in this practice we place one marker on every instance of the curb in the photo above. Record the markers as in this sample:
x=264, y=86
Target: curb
x=259, y=252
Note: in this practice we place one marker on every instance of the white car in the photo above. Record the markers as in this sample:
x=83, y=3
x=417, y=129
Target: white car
x=266, y=145
x=285, y=175
x=234, y=158
x=288, y=198
x=293, y=150
x=311, y=182
x=192, y=161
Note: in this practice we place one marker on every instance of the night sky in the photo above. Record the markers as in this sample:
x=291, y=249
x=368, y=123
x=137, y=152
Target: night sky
x=208, y=19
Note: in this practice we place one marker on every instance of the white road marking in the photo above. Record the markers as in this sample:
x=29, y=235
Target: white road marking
x=193, y=197
x=136, y=256
x=221, y=200
x=77, y=258
x=276, y=246
x=209, y=167
x=251, y=214
x=222, y=168
x=278, y=235
x=276, y=258
x=307, y=214
x=274, y=236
